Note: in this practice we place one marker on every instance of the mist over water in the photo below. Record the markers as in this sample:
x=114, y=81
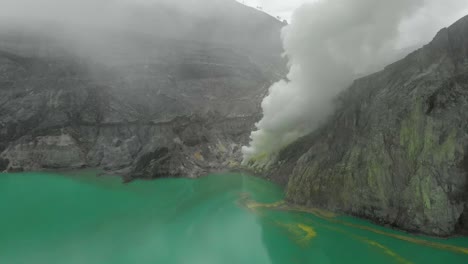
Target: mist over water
x=329, y=44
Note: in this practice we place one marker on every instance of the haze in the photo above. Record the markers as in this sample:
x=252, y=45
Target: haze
x=328, y=45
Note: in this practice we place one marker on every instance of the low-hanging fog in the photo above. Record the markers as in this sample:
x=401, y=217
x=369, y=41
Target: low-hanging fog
x=93, y=27
x=330, y=43
x=104, y=14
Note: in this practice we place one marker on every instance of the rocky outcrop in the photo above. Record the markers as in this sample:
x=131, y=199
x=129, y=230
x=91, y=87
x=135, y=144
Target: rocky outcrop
x=143, y=106
x=48, y=152
x=396, y=150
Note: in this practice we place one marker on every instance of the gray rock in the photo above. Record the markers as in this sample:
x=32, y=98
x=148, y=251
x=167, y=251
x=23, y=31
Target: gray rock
x=48, y=152
x=147, y=105
x=396, y=150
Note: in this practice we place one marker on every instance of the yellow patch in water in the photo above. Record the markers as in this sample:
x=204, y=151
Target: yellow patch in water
x=283, y=206
x=418, y=241
x=388, y=251
x=254, y=205
x=385, y=249
x=303, y=233
x=310, y=232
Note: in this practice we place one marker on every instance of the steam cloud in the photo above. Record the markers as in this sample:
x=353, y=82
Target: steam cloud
x=330, y=43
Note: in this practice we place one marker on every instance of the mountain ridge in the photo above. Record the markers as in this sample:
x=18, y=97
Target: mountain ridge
x=135, y=103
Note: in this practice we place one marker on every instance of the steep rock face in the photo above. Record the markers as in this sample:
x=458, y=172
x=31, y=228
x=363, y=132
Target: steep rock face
x=396, y=151
x=144, y=106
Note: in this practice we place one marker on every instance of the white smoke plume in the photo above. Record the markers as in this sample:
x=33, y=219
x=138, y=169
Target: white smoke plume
x=328, y=44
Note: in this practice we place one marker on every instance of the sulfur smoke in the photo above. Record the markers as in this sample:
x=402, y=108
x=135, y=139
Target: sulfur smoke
x=328, y=44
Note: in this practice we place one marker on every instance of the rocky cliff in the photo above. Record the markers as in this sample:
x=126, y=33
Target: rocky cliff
x=136, y=101
x=396, y=151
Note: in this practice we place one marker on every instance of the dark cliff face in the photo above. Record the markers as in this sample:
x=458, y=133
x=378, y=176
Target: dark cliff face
x=396, y=151
x=143, y=105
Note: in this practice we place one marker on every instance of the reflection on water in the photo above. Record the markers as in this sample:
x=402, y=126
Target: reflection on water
x=79, y=218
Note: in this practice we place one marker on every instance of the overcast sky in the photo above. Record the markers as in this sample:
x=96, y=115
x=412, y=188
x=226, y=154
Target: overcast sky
x=285, y=8
x=422, y=26
x=282, y=8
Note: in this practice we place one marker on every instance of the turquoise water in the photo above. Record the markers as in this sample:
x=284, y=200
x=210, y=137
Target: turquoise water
x=81, y=219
